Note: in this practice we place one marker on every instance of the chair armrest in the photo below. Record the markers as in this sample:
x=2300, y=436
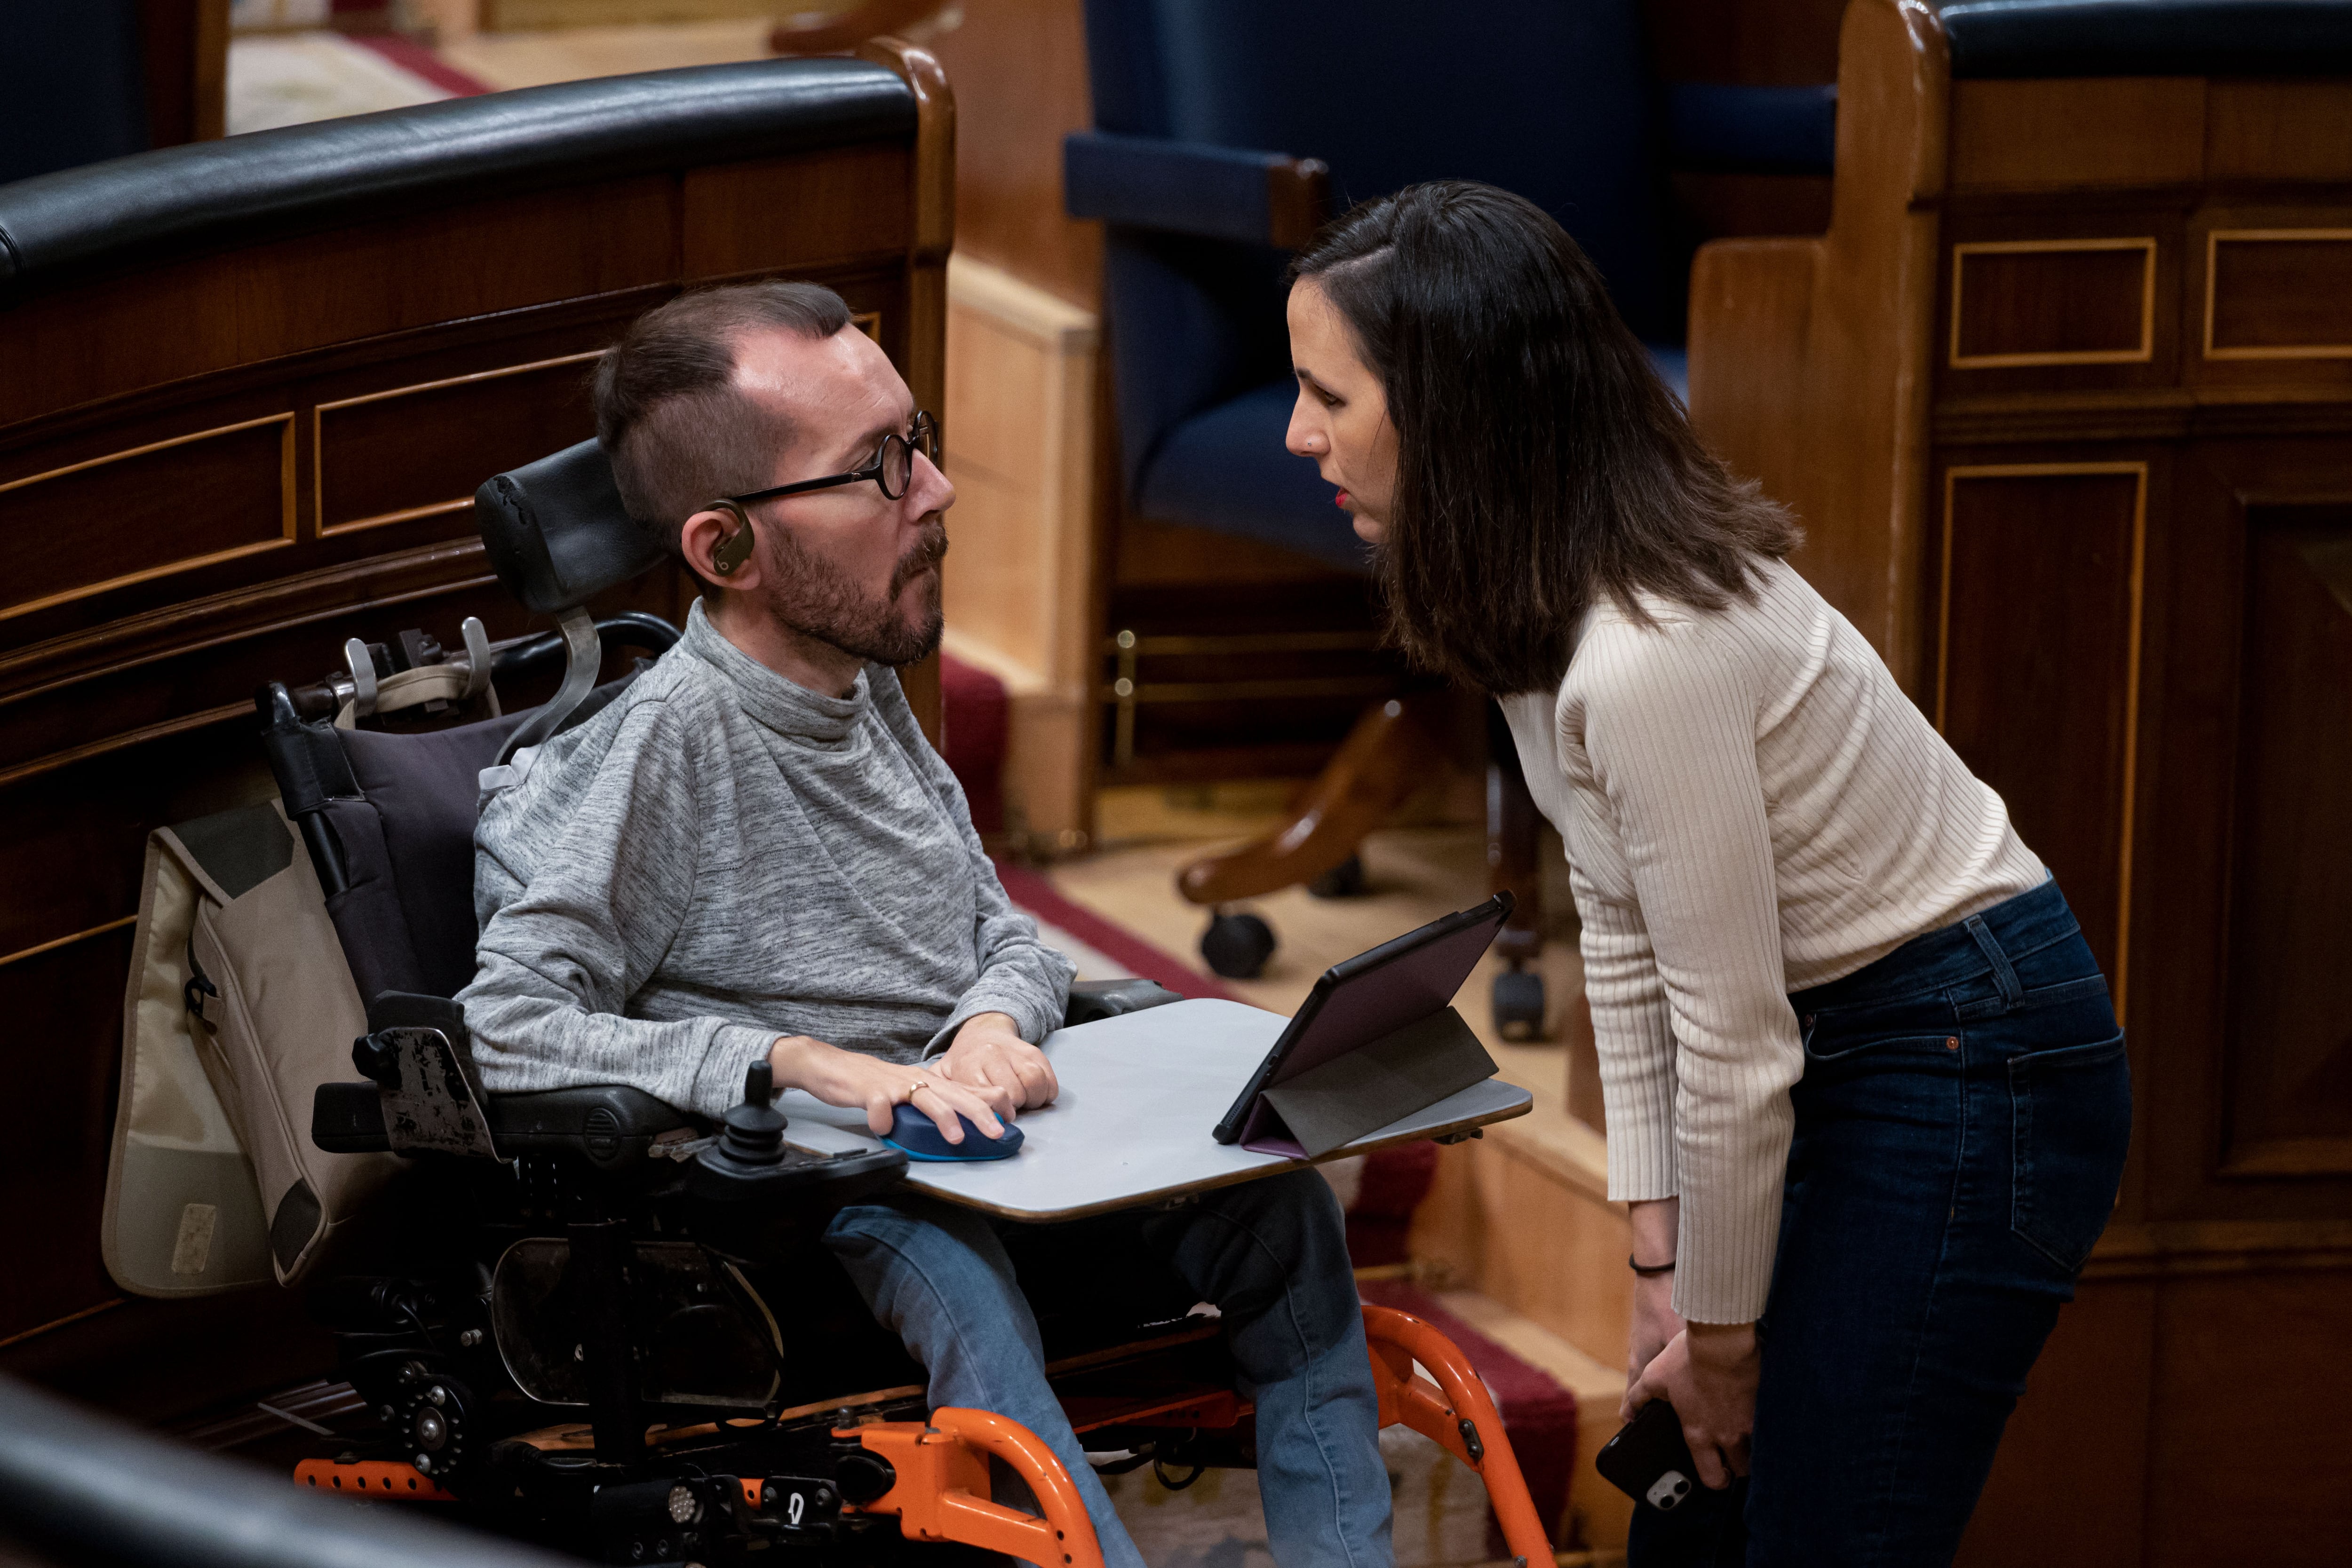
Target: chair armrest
x=1093, y=1000
x=1193, y=188
x=1721, y=129
x=611, y=1125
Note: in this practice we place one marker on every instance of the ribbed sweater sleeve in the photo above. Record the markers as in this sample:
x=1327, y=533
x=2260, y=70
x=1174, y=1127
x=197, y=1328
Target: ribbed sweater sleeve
x=1637, y=1071
x=1670, y=725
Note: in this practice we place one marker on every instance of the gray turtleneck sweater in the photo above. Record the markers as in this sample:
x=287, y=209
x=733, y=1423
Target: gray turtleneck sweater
x=720, y=857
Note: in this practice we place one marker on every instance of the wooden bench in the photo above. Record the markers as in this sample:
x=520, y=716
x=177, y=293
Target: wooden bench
x=2065, y=400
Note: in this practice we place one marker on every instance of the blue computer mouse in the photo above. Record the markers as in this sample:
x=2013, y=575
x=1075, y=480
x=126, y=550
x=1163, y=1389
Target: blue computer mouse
x=919, y=1136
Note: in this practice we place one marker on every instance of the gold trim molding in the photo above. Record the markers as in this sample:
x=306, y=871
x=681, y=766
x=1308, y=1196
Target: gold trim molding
x=2147, y=350
x=190, y=563
x=407, y=513
x=55, y=943
x=2213, y=239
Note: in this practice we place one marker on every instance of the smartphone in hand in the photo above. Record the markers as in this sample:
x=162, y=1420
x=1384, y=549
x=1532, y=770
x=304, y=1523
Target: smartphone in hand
x=1648, y=1460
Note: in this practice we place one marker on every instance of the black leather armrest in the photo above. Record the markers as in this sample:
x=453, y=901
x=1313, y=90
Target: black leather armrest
x=347, y=1118
x=1093, y=999
x=608, y=1124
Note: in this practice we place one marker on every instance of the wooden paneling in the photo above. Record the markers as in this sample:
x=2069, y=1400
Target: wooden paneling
x=2077, y=134
x=2189, y=795
x=2288, y=1041
x=2062, y=1490
x=1021, y=446
x=2247, y=598
x=410, y=451
x=1019, y=70
x=2052, y=302
x=2046, y=713
x=206, y=496
x=291, y=296
x=2035, y=298
x=815, y=210
x=2278, y=294
x=58, y=1056
x=2246, y=1366
x=2270, y=130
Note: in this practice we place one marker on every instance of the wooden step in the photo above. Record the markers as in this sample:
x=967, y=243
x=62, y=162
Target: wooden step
x=1522, y=1215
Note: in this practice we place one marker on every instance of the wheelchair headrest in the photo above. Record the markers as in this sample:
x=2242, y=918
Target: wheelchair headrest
x=556, y=532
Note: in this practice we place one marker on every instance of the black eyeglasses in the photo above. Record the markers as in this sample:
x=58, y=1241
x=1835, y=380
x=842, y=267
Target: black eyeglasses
x=892, y=470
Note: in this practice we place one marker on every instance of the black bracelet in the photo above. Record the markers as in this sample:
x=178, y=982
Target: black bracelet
x=1650, y=1270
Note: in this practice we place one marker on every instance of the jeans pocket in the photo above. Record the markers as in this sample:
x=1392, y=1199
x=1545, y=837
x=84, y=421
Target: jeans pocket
x=1868, y=1047
x=2071, y=1110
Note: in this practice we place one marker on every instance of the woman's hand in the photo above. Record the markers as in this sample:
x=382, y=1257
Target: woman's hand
x=1656, y=1224
x=1707, y=1373
x=1655, y=1324
x=850, y=1078
x=988, y=1053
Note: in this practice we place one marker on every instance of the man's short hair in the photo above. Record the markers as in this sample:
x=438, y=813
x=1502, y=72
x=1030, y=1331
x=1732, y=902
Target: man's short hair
x=678, y=432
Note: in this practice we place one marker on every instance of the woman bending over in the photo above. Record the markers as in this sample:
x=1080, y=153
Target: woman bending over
x=1866, y=1094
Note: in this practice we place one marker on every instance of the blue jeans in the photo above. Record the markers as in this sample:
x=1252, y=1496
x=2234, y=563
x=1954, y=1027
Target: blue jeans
x=1960, y=1134
x=1271, y=1254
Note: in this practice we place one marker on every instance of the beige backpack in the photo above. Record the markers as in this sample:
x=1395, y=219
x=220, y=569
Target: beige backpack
x=239, y=1005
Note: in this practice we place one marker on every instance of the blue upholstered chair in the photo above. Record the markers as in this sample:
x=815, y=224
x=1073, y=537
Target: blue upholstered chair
x=1225, y=129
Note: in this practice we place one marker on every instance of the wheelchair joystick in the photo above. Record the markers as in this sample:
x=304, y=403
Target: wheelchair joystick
x=754, y=1132
x=750, y=1160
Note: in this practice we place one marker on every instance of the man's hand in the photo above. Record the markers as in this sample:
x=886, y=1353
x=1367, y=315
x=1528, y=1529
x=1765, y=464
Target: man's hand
x=988, y=1052
x=850, y=1078
x=1707, y=1373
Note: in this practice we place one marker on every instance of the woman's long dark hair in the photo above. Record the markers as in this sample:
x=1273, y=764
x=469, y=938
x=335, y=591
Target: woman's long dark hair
x=1541, y=462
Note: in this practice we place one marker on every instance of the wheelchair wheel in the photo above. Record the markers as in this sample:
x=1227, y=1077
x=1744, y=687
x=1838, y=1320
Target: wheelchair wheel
x=1519, y=1004
x=1237, y=945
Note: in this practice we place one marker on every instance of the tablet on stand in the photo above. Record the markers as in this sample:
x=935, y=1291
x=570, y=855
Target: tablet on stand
x=1377, y=1040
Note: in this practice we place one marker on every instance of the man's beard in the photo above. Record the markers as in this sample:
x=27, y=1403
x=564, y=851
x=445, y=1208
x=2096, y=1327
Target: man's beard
x=816, y=599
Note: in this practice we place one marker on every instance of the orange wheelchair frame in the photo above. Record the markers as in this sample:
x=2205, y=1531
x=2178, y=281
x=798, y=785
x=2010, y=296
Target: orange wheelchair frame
x=933, y=1475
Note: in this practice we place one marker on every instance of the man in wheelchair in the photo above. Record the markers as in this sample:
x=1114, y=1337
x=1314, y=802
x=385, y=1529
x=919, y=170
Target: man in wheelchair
x=751, y=855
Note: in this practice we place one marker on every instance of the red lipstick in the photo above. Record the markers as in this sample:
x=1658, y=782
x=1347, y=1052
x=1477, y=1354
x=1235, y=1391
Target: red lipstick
x=1340, y=500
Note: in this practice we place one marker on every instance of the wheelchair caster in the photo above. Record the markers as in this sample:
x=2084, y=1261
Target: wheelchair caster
x=1237, y=945
x=1519, y=1004
x=1345, y=880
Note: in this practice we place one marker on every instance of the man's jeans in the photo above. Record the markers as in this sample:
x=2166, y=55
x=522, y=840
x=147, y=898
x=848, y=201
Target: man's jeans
x=1960, y=1134
x=1271, y=1254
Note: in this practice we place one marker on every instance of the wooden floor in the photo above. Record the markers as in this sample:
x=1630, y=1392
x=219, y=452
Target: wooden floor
x=533, y=58
x=1415, y=874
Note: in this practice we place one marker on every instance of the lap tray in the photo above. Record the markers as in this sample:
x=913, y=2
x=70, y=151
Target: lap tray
x=1139, y=1095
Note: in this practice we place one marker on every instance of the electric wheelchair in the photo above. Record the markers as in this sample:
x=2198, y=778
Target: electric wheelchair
x=584, y=1318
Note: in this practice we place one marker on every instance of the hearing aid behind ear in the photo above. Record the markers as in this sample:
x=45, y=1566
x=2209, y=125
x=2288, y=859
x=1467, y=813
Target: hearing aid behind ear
x=735, y=548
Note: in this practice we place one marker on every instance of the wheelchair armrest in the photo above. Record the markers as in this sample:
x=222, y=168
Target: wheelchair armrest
x=1093, y=1000
x=610, y=1126
x=1194, y=188
x=1722, y=129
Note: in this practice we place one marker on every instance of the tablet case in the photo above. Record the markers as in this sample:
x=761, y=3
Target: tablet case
x=1366, y=1089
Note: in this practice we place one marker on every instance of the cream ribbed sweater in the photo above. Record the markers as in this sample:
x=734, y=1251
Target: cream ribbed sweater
x=1750, y=807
